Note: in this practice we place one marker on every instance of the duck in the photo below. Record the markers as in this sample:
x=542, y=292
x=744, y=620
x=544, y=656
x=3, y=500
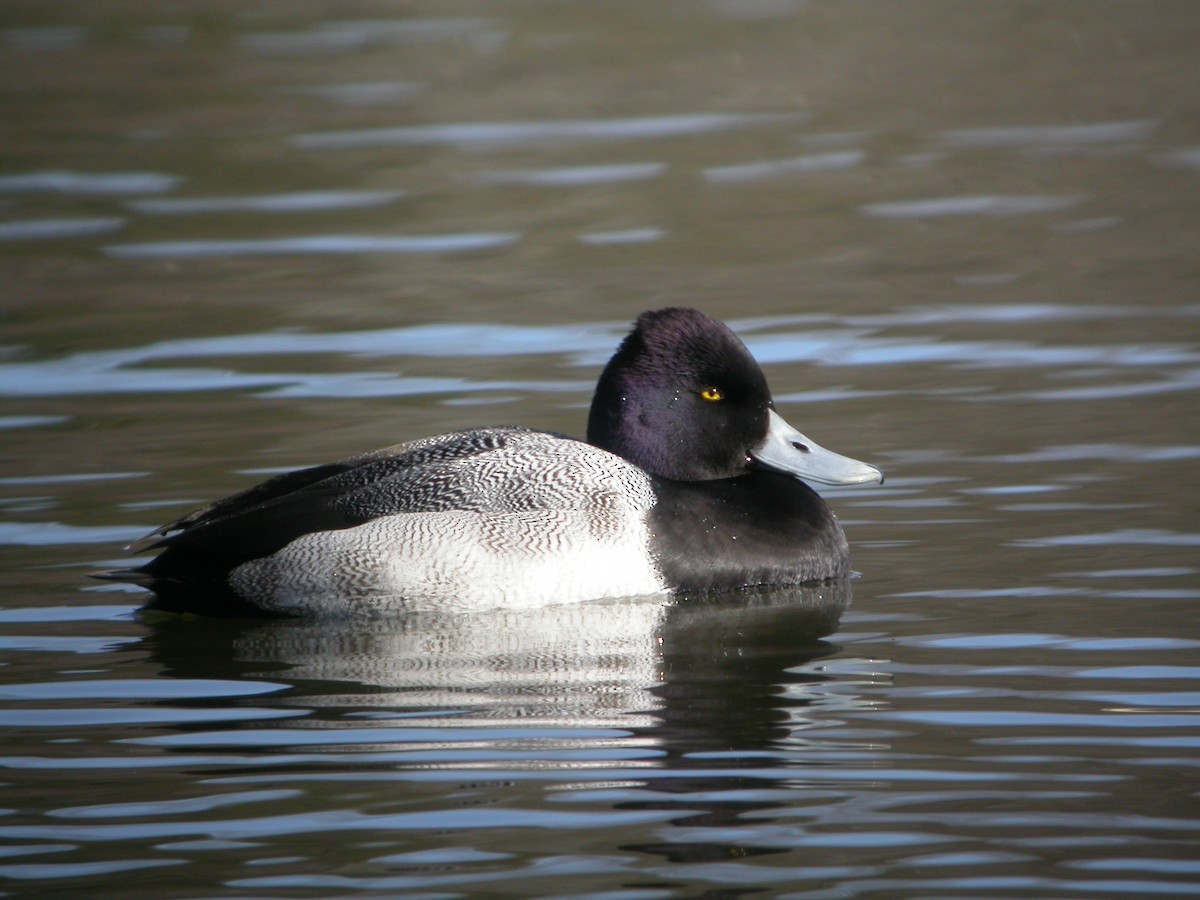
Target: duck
x=689, y=482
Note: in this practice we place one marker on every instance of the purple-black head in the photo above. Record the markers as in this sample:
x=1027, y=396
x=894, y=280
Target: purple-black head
x=682, y=398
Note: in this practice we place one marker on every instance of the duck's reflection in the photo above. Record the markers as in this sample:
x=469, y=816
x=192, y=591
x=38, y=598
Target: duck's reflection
x=684, y=707
x=689, y=675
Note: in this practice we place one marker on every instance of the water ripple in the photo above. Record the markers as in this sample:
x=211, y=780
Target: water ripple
x=796, y=165
x=963, y=718
x=59, y=870
x=1188, y=158
x=51, y=534
x=31, y=421
x=265, y=737
x=332, y=821
x=1112, y=452
x=107, y=716
x=538, y=132
x=1051, y=641
x=57, y=229
x=353, y=35
x=50, y=37
x=305, y=201
x=1053, y=135
x=171, y=807
x=1120, y=537
x=363, y=93
x=90, y=613
x=627, y=236
x=972, y=205
x=314, y=245
x=124, y=370
x=572, y=176
x=33, y=643
x=136, y=688
x=88, y=183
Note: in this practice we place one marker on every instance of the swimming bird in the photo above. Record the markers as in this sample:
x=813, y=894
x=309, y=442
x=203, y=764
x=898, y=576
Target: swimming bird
x=689, y=482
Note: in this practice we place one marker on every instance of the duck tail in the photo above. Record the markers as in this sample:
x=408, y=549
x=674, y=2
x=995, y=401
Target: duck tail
x=139, y=577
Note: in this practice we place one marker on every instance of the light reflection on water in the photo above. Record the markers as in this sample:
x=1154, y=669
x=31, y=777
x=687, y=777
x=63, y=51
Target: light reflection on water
x=231, y=246
x=58, y=229
x=538, y=133
x=353, y=35
x=306, y=201
x=89, y=183
x=583, y=344
x=315, y=245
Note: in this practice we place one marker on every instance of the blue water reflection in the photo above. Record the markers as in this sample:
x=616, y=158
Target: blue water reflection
x=859, y=341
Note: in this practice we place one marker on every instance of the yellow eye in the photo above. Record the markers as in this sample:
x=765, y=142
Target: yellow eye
x=712, y=394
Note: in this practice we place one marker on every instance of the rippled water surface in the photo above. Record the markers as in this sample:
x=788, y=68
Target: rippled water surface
x=962, y=239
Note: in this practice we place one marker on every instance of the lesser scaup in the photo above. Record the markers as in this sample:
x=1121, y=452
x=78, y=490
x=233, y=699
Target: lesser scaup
x=689, y=481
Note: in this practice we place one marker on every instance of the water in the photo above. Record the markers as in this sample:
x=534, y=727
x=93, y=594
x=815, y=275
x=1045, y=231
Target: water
x=961, y=240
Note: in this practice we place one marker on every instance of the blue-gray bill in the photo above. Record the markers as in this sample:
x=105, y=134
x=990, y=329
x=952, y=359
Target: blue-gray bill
x=787, y=450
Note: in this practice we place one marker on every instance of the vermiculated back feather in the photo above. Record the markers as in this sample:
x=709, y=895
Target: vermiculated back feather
x=493, y=471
